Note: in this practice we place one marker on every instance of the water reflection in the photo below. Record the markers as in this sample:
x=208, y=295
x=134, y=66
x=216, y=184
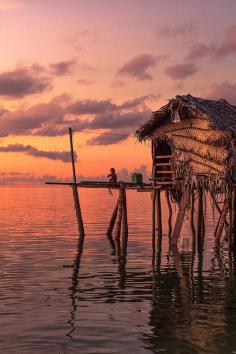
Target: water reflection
x=175, y=300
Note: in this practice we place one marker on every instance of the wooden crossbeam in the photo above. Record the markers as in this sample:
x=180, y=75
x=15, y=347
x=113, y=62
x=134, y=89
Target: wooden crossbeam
x=164, y=156
x=162, y=172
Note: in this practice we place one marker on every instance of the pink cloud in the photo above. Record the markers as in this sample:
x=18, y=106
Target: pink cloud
x=181, y=71
x=138, y=67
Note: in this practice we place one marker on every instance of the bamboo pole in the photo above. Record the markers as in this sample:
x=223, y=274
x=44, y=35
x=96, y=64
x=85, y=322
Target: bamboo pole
x=75, y=189
x=113, y=220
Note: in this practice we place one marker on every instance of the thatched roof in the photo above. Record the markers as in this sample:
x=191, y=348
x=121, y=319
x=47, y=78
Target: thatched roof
x=220, y=114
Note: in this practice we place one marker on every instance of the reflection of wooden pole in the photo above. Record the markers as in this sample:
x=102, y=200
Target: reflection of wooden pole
x=75, y=189
x=113, y=220
x=221, y=222
x=200, y=217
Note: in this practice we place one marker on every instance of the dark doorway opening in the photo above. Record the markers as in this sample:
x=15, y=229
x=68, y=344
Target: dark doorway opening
x=162, y=164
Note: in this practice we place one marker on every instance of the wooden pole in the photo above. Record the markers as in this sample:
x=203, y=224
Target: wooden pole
x=75, y=189
x=180, y=216
x=192, y=221
x=153, y=221
x=234, y=220
x=119, y=216
x=199, y=217
x=170, y=214
x=113, y=220
x=72, y=155
x=159, y=214
x=124, y=225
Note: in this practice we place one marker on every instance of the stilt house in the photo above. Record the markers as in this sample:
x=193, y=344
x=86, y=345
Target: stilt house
x=191, y=137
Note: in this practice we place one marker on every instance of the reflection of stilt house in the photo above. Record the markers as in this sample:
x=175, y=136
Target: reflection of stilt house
x=191, y=149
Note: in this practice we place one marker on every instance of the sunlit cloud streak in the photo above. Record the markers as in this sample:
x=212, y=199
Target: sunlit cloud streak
x=54, y=118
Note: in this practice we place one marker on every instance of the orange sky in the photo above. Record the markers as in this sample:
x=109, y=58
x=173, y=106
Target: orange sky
x=103, y=66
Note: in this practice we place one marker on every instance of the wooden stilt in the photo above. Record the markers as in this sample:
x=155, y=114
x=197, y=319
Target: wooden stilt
x=199, y=217
x=124, y=225
x=159, y=214
x=153, y=221
x=119, y=216
x=170, y=213
x=192, y=221
x=113, y=220
x=75, y=189
x=221, y=222
x=78, y=211
x=234, y=220
x=180, y=217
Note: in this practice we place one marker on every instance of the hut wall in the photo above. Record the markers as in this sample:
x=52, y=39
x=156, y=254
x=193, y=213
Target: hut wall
x=195, y=143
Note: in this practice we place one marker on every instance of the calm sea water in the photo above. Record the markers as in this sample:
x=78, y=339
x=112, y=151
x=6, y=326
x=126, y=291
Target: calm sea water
x=55, y=300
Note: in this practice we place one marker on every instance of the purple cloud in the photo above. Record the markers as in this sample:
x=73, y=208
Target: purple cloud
x=62, y=68
x=63, y=156
x=22, y=82
x=138, y=66
x=54, y=118
x=181, y=71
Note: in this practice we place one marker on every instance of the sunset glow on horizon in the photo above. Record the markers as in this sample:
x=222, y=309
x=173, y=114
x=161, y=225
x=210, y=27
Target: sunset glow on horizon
x=103, y=66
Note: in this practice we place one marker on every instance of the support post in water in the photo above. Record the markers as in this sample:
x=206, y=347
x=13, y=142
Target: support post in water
x=75, y=189
x=180, y=216
x=113, y=220
x=124, y=224
x=233, y=227
x=159, y=219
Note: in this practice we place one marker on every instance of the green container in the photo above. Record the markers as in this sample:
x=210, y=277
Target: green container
x=137, y=178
